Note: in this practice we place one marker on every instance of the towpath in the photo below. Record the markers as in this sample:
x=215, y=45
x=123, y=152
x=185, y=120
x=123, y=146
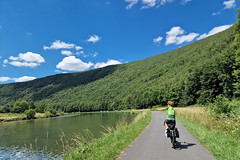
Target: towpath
x=153, y=145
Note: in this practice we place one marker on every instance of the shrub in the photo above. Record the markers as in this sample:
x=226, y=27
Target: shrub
x=51, y=110
x=48, y=114
x=30, y=113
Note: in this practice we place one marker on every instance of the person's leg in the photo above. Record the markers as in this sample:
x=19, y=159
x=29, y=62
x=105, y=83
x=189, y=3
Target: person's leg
x=167, y=131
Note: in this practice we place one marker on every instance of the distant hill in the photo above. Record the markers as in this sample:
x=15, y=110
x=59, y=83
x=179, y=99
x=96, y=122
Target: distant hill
x=195, y=73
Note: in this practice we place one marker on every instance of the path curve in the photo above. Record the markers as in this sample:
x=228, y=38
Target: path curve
x=153, y=145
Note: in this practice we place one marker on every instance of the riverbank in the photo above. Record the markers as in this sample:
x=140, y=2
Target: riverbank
x=113, y=143
x=8, y=117
x=219, y=141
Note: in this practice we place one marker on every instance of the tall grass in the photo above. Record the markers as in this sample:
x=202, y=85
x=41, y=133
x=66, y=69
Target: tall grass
x=215, y=134
x=114, y=141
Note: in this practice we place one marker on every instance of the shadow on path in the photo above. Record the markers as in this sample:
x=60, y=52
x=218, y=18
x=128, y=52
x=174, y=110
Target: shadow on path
x=183, y=145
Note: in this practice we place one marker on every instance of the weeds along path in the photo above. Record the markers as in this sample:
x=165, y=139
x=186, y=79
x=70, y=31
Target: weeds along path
x=153, y=145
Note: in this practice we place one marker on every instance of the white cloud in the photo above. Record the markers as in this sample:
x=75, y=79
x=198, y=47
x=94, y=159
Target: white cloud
x=215, y=30
x=78, y=48
x=229, y=4
x=94, y=39
x=73, y=64
x=175, y=36
x=23, y=64
x=148, y=3
x=28, y=59
x=4, y=79
x=5, y=61
x=109, y=62
x=131, y=3
x=66, y=53
x=216, y=13
x=157, y=40
x=95, y=54
x=60, y=45
x=21, y=79
x=166, y=1
x=186, y=1
x=24, y=79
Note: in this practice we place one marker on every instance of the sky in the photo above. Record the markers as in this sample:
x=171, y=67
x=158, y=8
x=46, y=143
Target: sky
x=39, y=38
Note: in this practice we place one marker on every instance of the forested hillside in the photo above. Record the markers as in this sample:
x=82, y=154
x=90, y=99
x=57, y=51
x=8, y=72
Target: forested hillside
x=195, y=73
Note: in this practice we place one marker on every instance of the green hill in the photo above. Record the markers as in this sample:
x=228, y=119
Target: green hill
x=195, y=73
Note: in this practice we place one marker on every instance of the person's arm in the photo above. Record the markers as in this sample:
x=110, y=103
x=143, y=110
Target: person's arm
x=161, y=109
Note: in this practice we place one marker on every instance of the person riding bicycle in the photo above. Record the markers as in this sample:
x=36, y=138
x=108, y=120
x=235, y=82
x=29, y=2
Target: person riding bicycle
x=170, y=118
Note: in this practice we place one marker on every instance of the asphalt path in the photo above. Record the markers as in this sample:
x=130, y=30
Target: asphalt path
x=153, y=145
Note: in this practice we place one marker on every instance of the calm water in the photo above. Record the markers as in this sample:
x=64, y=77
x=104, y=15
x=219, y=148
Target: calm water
x=40, y=139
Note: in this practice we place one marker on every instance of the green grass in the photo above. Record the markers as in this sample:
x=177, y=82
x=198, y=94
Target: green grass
x=221, y=146
x=110, y=146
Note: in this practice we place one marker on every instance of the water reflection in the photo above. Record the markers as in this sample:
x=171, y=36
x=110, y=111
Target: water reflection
x=41, y=139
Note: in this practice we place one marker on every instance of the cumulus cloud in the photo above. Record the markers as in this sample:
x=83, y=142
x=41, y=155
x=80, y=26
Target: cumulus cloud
x=175, y=36
x=94, y=39
x=60, y=45
x=157, y=40
x=28, y=59
x=4, y=79
x=72, y=63
x=215, y=30
x=108, y=63
x=66, y=53
x=21, y=79
x=24, y=79
x=229, y=4
x=78, y=48
x=131, y=3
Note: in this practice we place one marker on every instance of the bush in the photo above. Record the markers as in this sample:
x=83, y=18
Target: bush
x=30, y=113
x=51, y=110
x=223, y=107
x=48, y=114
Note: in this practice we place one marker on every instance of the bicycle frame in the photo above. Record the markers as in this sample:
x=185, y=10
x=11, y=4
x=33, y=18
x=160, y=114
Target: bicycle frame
x=173, y=138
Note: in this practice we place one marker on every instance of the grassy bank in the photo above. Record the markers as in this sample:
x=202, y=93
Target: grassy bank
x=7, y=117
x=213, y=134
x=113, y=143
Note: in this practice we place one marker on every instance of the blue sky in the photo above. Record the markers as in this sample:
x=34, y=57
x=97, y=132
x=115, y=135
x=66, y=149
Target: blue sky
x=39, y=38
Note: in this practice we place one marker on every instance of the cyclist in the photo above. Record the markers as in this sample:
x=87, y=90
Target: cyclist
x=170, y=118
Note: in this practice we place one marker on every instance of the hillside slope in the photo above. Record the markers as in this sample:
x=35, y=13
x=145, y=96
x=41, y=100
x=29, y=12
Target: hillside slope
x=195, y=73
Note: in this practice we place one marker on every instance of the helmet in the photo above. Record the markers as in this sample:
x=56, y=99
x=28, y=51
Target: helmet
x=170, y=103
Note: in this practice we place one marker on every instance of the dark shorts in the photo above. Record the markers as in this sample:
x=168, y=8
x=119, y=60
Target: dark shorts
x=171, y=123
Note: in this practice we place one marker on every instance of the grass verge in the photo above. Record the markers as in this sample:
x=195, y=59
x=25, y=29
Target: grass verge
x=222, y=145
x=112, y=144
x=7, y=117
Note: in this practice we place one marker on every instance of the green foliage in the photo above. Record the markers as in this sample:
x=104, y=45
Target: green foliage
x=20, y=107
x=51, y=110
x=40, y=107
x=236, y=49
x=30, y=113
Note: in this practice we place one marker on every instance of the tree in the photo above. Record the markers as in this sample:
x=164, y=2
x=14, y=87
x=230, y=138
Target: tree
x=235, y=46
x=30, y=113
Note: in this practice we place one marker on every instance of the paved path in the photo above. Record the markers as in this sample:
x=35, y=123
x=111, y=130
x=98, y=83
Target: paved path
x=153, y=145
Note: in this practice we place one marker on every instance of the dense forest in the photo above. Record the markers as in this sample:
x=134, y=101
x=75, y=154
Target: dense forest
x=194, y=74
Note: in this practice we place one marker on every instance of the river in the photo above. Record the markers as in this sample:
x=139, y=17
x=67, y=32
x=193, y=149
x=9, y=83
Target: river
x=46, y=138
